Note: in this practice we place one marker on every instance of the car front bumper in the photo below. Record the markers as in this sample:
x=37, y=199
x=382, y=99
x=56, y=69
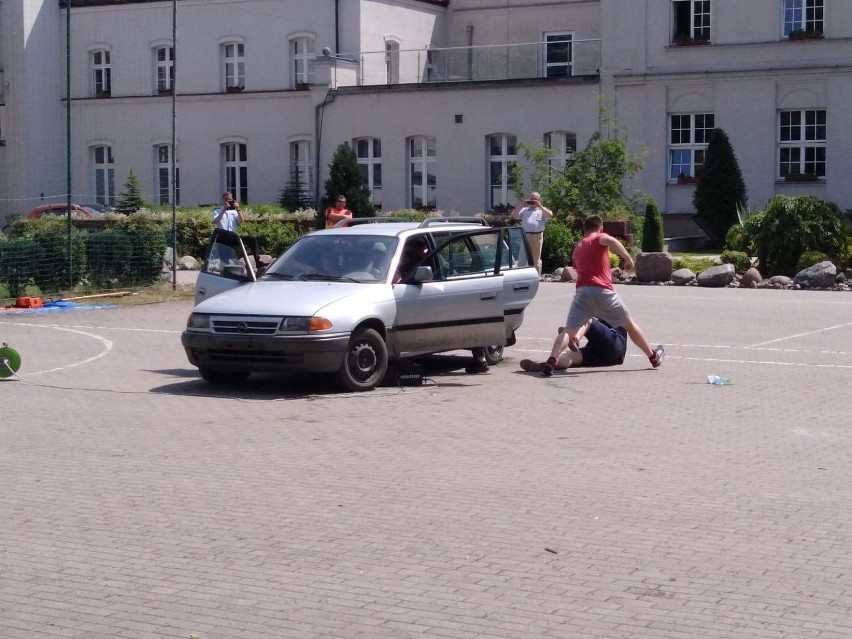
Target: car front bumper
x=242, y=353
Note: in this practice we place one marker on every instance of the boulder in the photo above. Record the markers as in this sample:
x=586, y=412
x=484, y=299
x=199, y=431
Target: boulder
x=751, y=276
x=568, y=274
x=682, y=276
x=188, y=263
x=653, y=267
x=780, y=280
x=717, y=276
x=168, y=258
x=820, y=275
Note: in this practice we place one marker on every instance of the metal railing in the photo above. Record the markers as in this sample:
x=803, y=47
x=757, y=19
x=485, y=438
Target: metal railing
x=470, y=64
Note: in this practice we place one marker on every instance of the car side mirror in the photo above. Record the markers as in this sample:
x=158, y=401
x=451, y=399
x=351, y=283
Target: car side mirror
x=423, y=274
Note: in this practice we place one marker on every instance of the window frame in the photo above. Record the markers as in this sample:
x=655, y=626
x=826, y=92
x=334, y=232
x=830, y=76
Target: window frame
x=163, y=192
x=804, y=143
x=562, y=153
x=301, y=48
x=233, y=66
x=103, y=173
x=301, y=160
x=700, y=22
x=164, y=70
x=426, y=160
x=392, y=61
x=568, y=65
x=101, y=61
x=790, y=23
x=370, y=165
x=694, y=148
x=234, y=159
x=505, y=159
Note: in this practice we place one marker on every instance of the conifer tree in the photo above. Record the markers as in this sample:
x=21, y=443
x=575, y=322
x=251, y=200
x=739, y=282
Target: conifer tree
x=294, y=195
x=652, y=229
x=345, y=178
x=131, y=199
x=719, y=188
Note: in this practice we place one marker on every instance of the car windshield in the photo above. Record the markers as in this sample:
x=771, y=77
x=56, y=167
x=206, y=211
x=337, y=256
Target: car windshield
x=336, y=257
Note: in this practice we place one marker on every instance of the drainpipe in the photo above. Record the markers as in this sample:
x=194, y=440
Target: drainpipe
x=470, y=52
x=336, y=27
x=319, y=112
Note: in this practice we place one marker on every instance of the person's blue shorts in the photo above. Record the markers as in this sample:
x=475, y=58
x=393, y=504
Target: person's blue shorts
x=605, y=345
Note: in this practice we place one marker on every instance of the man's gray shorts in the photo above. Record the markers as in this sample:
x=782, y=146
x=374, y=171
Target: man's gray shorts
x=594, y=301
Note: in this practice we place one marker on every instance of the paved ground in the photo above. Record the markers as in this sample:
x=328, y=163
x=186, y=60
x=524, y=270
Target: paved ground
x=627, y=503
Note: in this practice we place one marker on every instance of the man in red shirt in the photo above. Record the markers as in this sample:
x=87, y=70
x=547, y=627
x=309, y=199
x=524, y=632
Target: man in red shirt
x=595, y=296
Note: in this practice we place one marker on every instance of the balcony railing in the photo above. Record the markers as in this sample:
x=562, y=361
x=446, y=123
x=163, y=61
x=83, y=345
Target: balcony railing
x=470, y=64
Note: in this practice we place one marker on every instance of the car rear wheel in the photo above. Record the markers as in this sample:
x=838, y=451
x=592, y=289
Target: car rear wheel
x=366, y=362
x=216, y=376
x=494, y=354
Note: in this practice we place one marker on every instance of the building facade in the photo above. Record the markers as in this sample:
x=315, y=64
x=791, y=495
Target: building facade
x=434, y=95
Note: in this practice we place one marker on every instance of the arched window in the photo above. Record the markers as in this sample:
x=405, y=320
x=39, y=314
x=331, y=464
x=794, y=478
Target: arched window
x=101, y=73
x=234, y=157
x=369, y=154
x=502, y=154
x=422, y=182
x=103, y=173
x=234, y=66
x=163, y=175
x=301, y=61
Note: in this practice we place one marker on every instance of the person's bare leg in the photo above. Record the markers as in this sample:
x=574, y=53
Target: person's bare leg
x=638, y=337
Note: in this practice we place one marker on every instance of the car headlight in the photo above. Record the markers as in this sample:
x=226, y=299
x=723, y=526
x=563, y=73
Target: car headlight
x=304, y=324
x=198, y=322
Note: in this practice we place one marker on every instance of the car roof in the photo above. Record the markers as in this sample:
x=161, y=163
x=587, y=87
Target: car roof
x=397, y=229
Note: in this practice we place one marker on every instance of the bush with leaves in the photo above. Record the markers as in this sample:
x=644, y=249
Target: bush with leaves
x=719, y=188
x=652, y=229
x=109, y=256
x=810, y=258
x=149, y=240
x=558, y=245
x=19, y=262
x=740, y=260
x=55, y=273
x=294, y=196
x=791, y=226
x=272, y=236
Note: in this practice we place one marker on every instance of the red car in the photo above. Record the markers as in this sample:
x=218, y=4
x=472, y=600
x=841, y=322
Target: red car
x=62, y=210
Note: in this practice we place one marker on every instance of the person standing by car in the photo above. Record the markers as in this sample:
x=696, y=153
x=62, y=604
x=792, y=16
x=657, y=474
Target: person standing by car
x=337, y=212
x=228, y=216
x=533, y=216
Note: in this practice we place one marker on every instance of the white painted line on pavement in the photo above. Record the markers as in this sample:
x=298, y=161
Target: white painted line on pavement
x=107, y=344
x=781, y=339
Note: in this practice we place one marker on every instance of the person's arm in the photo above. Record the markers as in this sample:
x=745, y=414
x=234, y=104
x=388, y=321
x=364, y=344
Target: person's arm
x=516, y=212
x=547, y=212
x=217, y=215
x=618, y=248
x=239, y=212
x=333, y=216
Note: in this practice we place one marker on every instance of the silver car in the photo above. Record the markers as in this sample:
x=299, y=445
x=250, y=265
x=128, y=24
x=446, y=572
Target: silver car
x=347, y=300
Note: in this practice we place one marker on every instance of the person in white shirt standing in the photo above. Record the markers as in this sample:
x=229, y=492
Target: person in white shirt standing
x=533, y=215
x=228, y=216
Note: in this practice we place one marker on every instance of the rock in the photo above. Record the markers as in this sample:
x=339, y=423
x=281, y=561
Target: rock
x=820, y=275
x=780, y=281
x=168, y=258
x=617, y=274
x=653, y=267
x=188, y=263
x=751, y=276
x=682, y=276
x=568, y=274
x=717, y=276
x=841, y=278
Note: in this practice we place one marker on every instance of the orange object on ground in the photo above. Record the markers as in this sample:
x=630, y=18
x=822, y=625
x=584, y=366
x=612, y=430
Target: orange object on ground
x=28, y=302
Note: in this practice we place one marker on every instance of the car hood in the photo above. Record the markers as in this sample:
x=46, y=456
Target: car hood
x=303, y=299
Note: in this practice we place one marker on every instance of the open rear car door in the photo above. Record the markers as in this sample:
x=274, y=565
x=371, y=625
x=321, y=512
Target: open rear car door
x=226, y=265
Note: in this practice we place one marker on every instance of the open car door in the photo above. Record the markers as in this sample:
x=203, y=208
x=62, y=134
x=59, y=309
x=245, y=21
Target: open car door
x=226, y=266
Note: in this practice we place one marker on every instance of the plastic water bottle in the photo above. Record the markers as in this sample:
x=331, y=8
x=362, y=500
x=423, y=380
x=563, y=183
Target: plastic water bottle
x=718, y=380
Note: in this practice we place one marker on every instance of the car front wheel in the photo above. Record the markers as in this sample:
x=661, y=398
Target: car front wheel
x=366, y=362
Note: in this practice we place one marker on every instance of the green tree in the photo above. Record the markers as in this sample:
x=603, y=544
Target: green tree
x=593, y=182
x=719, y=188
x=294, y=195
x=652, y=229
x=131, y=200
x=345, y=178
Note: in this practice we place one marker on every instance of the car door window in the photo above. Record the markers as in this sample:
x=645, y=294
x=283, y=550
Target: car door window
x=516, y=252
x=226, y=257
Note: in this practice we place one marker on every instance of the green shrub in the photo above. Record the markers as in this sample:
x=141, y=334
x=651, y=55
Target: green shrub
x=694, y=264
x=272, y=237
x=559, y=242
x=109, y=255
x=740, y=260
x=19, y=263
x=809, y=258
x=790, y=226
x=652, y=229
x=148, y=239
x=56, y=271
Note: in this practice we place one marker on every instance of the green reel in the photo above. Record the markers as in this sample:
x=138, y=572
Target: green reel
x=10, y=361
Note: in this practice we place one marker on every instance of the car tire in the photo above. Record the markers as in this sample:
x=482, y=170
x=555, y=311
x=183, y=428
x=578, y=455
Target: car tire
x=216, y=376
x=366, y=362
x=494, y=354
